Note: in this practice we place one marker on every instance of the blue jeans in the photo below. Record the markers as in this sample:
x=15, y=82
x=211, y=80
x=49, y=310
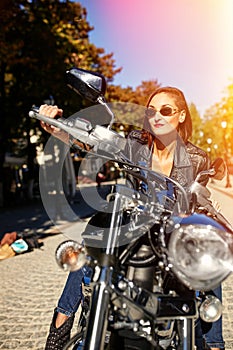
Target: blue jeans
x=213, y=337
x=72, y=293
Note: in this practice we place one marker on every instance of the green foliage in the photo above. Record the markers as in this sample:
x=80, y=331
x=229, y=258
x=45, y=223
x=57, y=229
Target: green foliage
x=39, y=41
x=218, y=125
x=197, y=123
x=209, y=132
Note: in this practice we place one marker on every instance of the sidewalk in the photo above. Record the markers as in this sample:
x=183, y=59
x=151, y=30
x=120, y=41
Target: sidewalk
x=221, y=186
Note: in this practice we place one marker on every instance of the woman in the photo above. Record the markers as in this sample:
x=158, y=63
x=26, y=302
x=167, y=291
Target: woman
x=163, y=146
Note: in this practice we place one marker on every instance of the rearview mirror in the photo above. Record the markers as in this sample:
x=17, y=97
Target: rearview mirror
x=89, y=85
x=220, y=168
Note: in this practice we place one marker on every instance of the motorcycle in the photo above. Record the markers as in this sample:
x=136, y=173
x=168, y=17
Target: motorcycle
x=153, y=254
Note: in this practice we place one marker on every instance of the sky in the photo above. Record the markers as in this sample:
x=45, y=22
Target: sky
x=182, y=43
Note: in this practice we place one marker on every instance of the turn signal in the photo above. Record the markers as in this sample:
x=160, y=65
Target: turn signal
x=211, y=309
x=70, y=255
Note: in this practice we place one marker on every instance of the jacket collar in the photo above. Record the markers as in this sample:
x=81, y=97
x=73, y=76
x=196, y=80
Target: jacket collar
x=181, y=156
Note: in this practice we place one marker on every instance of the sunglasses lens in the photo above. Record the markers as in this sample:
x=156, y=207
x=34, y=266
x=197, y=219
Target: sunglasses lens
x=166, y=111
x=150, y=112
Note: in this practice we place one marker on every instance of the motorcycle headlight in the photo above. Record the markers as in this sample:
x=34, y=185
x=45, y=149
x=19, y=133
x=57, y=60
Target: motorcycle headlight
x=201, y=255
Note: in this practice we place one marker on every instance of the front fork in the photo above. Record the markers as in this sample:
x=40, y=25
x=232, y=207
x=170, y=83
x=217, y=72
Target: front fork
x=187, y=334
x=97, y=322
x=98, y=317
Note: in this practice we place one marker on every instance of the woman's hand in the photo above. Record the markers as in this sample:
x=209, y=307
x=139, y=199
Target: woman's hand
x=52, y=112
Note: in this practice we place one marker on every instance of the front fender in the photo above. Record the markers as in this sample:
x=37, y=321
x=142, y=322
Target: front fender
x=200, y=219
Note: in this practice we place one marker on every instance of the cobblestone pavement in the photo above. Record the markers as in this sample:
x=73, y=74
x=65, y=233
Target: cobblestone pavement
x=30, y=286
x=228, y=312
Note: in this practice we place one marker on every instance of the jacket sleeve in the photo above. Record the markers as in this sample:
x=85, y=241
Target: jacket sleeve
x=200, y=162
x=204, y=164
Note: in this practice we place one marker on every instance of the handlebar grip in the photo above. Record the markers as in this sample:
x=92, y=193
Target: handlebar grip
x=78, y=123
x=50, y=121
x=80, y=133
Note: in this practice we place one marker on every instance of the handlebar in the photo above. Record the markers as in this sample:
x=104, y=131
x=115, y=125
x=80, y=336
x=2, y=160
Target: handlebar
x=78, y=123
x=78, y=128
x=109, y=145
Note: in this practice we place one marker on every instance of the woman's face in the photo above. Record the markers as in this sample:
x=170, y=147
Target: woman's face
x=164, y=115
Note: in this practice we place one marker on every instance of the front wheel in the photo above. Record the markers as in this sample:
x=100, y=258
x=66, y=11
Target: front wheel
x=76, y=342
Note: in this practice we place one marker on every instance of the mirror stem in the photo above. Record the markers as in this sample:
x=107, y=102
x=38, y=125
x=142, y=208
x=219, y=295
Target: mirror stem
x=102, y=101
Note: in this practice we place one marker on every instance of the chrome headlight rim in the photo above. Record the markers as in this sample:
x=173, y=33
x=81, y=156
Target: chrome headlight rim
x=193, y=262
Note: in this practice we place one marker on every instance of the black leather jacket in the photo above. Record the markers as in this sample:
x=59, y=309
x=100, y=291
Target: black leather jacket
x=189, y=159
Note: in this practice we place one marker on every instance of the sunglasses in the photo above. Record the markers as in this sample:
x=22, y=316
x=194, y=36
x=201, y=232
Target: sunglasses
x=165, y=111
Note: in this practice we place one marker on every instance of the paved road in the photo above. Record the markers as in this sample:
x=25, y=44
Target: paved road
x=31, y=282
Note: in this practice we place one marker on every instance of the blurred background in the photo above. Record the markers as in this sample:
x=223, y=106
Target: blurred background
x=39, y=41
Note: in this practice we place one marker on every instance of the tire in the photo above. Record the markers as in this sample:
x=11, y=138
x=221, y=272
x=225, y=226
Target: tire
x=75, y=343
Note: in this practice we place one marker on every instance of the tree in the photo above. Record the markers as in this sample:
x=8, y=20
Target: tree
x=218, y=122
x=197, y=125
x=39, y=41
